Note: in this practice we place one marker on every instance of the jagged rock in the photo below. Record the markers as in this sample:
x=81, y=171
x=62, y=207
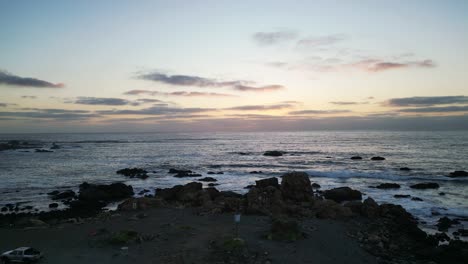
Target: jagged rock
x=342, y=194
x=370, y=208
x=106, y=193
x=328, y=209
x=445, y=223
x=266, y=201
x=296, y=186
x=388, y=186
x=425, y=185
x=267, y=182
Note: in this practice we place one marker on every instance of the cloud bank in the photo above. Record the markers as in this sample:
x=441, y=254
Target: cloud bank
x=13, y=80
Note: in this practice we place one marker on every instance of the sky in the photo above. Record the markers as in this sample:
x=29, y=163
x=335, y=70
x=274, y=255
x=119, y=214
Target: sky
x=191, y=66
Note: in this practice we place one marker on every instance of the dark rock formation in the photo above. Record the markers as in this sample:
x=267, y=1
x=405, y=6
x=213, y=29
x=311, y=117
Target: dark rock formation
x=388, y=186
x=342, y=194
x=356, y=158
x=457, y=174
x=377, y=158
x=133, y=173
x=296, y=186
x=425, y=185
x=273, y=153
x=267, y=182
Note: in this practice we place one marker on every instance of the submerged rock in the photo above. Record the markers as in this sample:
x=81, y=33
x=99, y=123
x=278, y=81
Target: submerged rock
x=445, y=223
x=457, y=174
x=377, y=158
x=425, y=185
x=273, y=153
x=207, y=179
x=405, y=169
x=356, y=158
x=388, y=186
x=342, y=194
x=402, y=196
x=133, y=173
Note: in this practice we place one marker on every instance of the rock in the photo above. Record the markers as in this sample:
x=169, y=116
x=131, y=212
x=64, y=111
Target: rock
x=207, y=179
x=445, y=223
x=106, y=193
x=213, y=172
x=425, y=185
x=402, y=196
x=328, y=209
x=187, y=174
x=267, y=182
x=285, y=230
x=405, y=169
x=377, y=158
x=250, y=186
x=212, y=192
x=55, y=146
x=273, y=153
x=356, y=158
x=342, y=194
x=64, y=195
x=141, y=203
x=176, y=171
x=43, y=150
x=388, y=186
x=53, y=193
x=416, y=199
x=133, y=173
x=265, y=201
x=296, y=186
x=143, y=191
x=53, y=205
x=463, y=232
x=256, y=172
x=316, y=186
x=370, y=208
x=441, y=193
x=355, y=206
x=189, y=192
x=231, y=194
x=168, y=194
x=213, y=184
x=4, y=209
x=457, y=174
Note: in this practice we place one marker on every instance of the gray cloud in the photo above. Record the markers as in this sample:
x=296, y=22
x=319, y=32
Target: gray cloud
x=50, y=114
x=29, y=97
x=156, y=110
x=318, y=112
x=426, y=100
x=270, y=38
x=102, y=101
x=446, y=109
x=177, y=93
x=147, y=100
x=261, y=107
x=266, y=88
x=347, y=103
x=13, y=80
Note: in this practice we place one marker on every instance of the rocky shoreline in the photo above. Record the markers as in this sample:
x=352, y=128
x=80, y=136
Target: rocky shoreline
x=386, y=231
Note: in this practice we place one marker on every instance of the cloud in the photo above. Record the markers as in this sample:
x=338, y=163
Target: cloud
x=50, y=114
x=156, y=110
x=271, y=38
x=347, y=103
x=376, y=65
x=13, y=80
x=29, y=97
x=189, y=80
x=177, y=93
x=102, y=101
x=3, y=104
x=266, y=88
x=261, y=107
x=446, y=109
x=313, y=42
x=319, y=112
x=426, y=100
x=277, y=64
x=147, y=100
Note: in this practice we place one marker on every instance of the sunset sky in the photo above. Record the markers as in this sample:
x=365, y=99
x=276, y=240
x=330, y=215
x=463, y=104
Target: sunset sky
x=134, y=66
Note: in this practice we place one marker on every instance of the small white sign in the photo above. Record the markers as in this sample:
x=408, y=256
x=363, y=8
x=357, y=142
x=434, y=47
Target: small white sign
x=237, y=218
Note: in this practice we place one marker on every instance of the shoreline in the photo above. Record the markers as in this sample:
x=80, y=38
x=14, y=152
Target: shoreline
x=380, y=230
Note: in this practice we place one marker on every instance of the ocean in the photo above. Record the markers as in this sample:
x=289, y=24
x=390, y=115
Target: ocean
x=26, y=175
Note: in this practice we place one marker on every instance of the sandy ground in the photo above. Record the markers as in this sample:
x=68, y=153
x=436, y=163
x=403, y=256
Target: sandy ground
x=183, y=236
